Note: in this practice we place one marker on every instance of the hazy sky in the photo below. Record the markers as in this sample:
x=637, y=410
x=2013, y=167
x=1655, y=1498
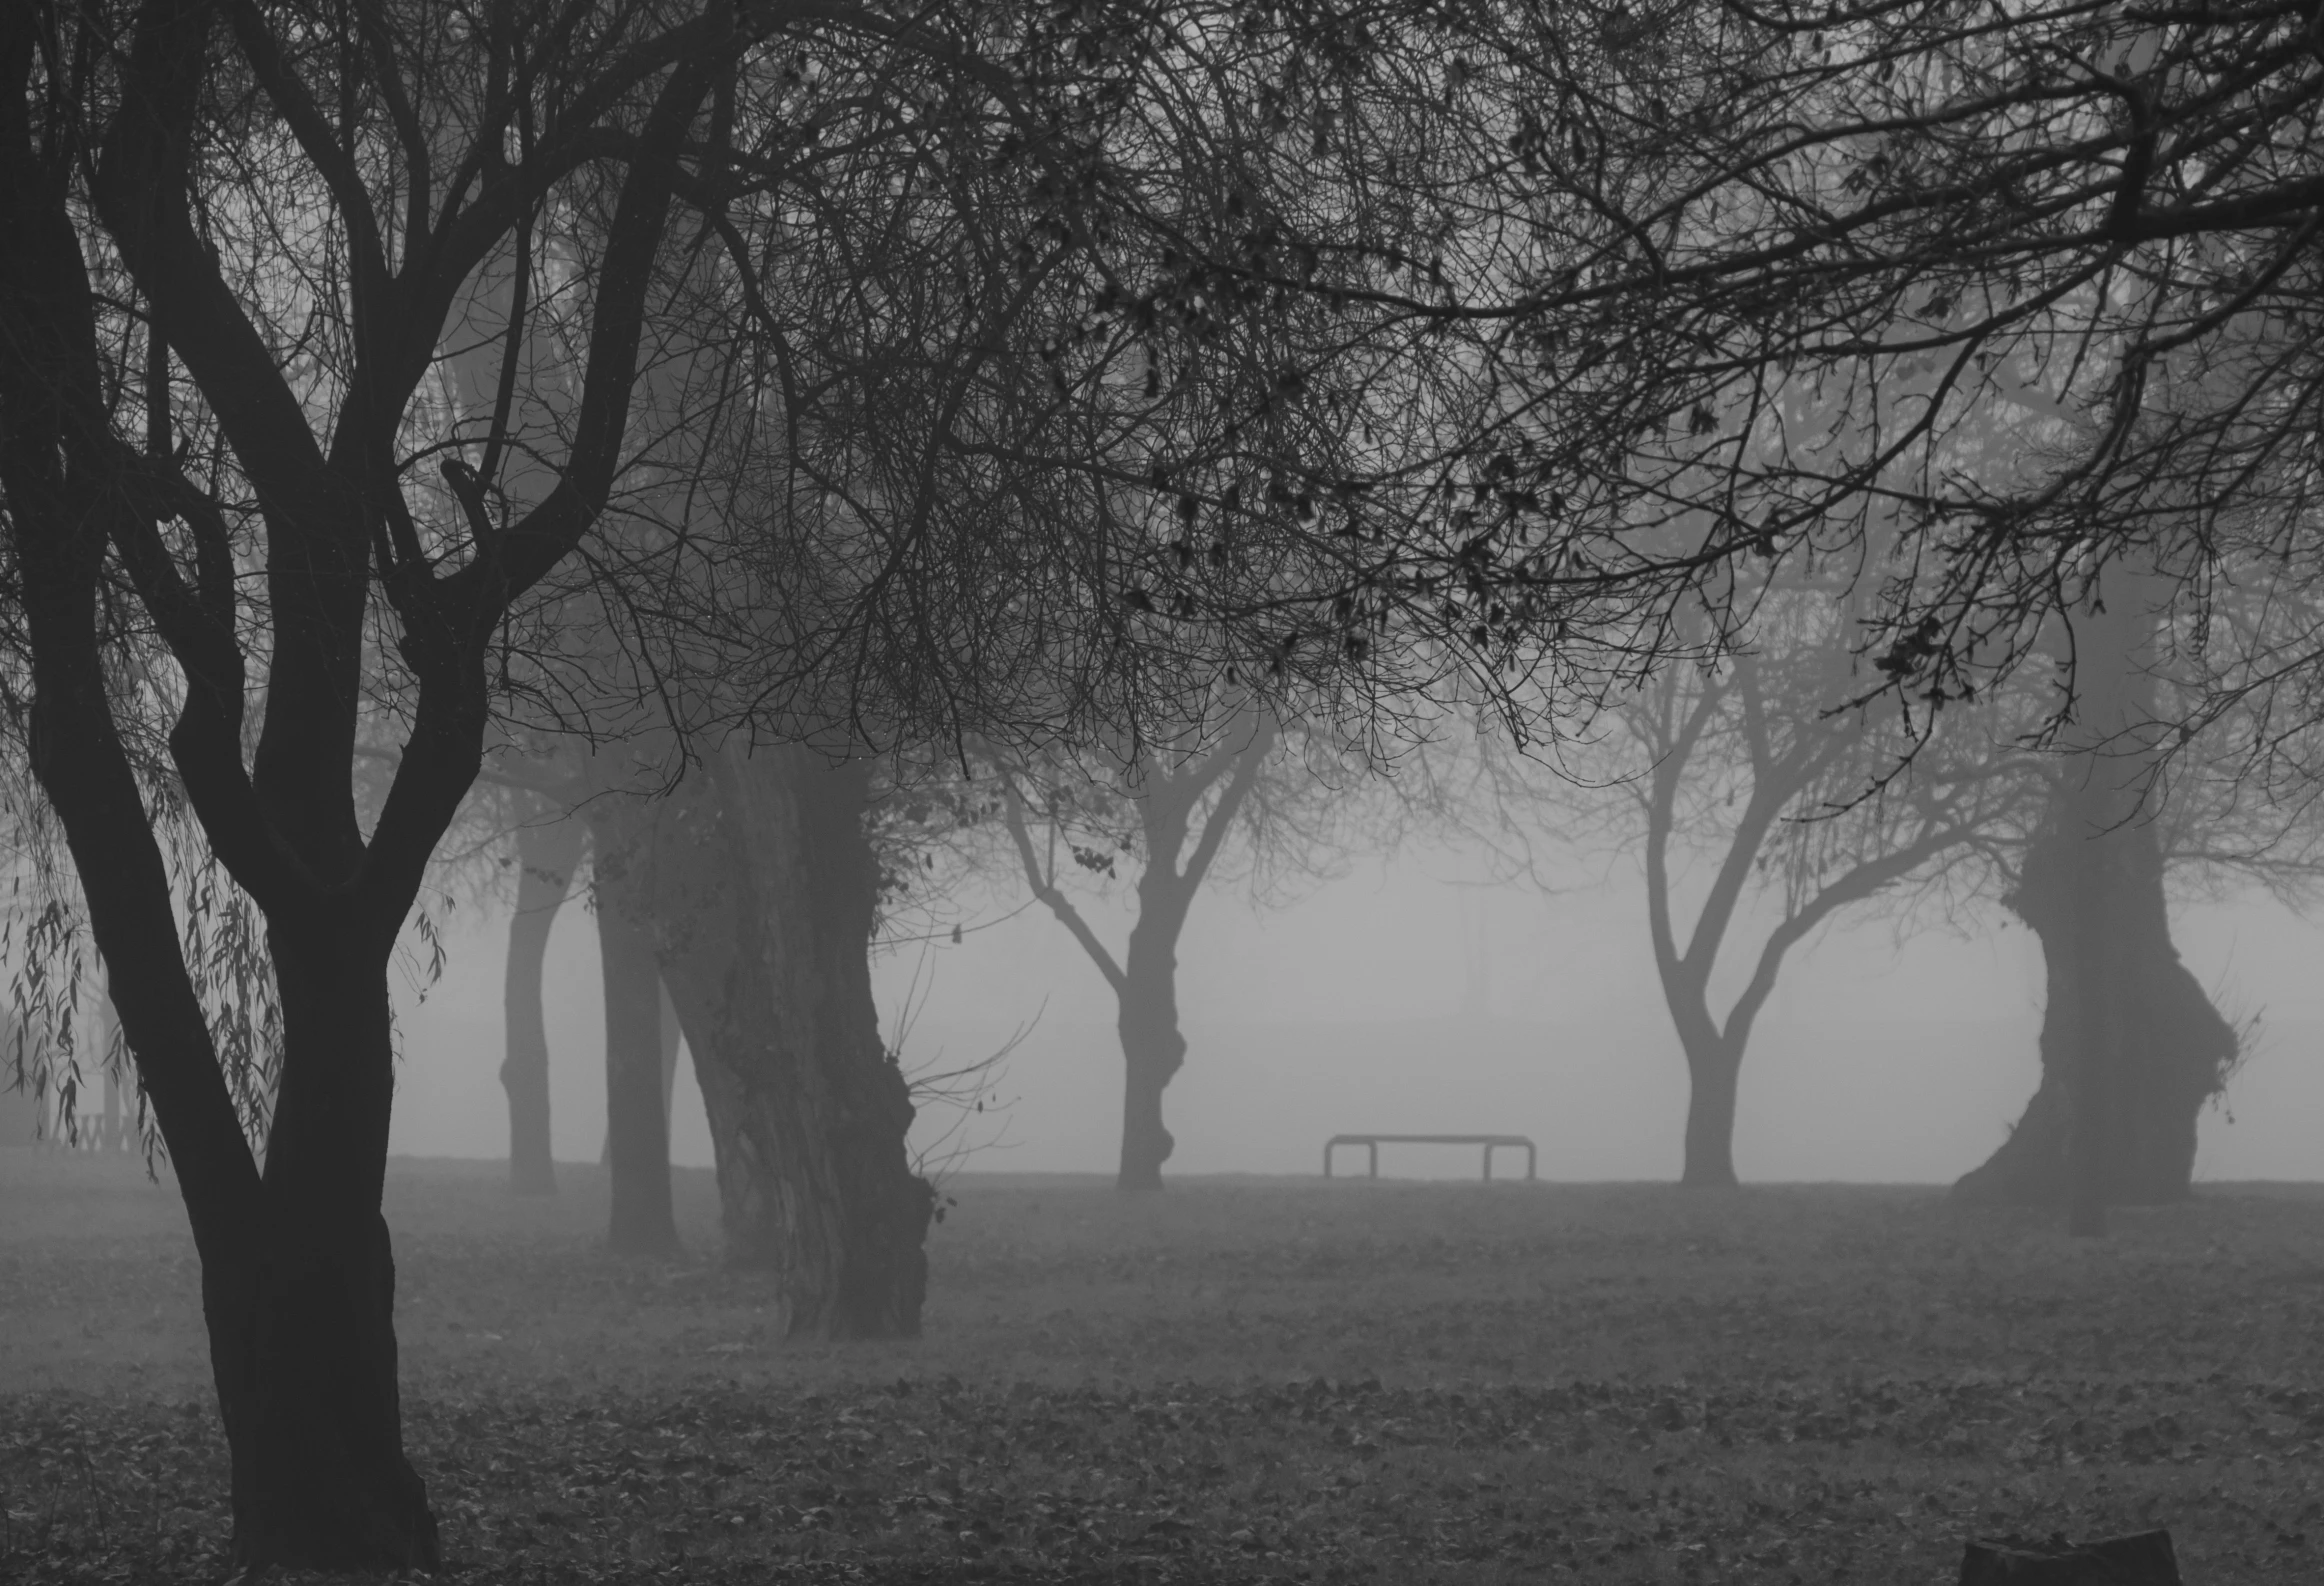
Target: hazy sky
x=1360, y=1008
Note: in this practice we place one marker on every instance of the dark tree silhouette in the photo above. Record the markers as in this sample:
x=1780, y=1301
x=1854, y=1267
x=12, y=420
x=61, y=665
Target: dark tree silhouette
x=756, y=881
x=2131, y=1047
x=237, y=525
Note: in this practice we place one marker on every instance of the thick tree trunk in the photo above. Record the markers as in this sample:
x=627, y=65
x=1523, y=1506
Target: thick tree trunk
x=761, y=886
x=298, y=1280
x=2157, y=1054
x=637, y=1135
x=1153, y=1051
x=2131, y=1048
x=1714, y=1072
x=302, y=1323
x=547, y=857
x=673, y=1035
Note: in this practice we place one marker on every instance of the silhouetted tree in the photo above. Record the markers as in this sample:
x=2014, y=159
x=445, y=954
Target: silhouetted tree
x=1172, y=808
x=2131, y=1047
x=756, y=882
x=1757, y=765
x=274, y=450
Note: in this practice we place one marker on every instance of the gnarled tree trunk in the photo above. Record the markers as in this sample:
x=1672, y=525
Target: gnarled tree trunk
x=762, y=887
x=2120, y=1001
x=547, y=856
x=2131, y=1048
x=302, y=1314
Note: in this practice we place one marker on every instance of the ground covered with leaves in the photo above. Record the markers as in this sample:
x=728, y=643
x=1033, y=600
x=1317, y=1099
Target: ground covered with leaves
x=1240, y=1380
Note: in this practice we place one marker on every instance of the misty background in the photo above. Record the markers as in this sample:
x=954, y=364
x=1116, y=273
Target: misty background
x=1405, y=998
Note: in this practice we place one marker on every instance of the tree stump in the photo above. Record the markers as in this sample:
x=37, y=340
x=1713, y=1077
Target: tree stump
x=2145, y=1559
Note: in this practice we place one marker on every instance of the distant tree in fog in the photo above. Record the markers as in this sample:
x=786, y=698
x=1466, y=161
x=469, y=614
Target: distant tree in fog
x=1170, y=809
x=1802, y=800
x=1751, y=790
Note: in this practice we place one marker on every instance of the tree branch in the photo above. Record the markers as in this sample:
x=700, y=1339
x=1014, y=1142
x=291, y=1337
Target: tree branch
x=1045, y=889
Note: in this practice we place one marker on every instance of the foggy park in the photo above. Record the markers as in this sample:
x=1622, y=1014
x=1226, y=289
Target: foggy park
x=1171, y=793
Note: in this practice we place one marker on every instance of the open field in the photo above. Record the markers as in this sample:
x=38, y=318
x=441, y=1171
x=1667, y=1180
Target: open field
x=1241, y=1380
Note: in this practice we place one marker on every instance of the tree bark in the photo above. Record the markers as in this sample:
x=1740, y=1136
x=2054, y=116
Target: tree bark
x=298, y=1276
x=547, y=856
x=673, y=1035
x=762, y=886
x=637, y=1134
x=1153, y=1051
x=2119, y=1001
x=302, y=1320
x=2131, y=1048
x=1714, y=1072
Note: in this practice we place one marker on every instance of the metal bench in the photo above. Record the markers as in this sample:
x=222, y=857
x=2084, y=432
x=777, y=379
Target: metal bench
x=1372, y=1143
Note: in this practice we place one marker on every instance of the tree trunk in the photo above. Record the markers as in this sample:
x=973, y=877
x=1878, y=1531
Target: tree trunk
x=547, y=857
x=298, y=1280
x=302, y=1321
x=2131, y=1048
x=673, y=1035
x=2119, y=1001
x=637, y=1134
x=762, y=886
x=1714, y=1072
x=1153, y=1051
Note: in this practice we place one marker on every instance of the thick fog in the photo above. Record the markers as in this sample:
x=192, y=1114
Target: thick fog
x=1401, y=999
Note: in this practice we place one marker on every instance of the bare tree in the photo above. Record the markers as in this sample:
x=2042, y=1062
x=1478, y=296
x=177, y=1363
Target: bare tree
x=1755, y=767
x=2132, y=1049
x=1786, y=763
x=1173, y=811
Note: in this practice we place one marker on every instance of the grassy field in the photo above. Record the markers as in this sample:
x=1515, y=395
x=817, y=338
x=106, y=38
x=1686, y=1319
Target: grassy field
x=1239, y=1380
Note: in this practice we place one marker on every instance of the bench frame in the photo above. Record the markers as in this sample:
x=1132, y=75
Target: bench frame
x=1372, y=1143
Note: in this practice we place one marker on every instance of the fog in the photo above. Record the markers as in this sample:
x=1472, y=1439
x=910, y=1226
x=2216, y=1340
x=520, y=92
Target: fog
x=1400, y=998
